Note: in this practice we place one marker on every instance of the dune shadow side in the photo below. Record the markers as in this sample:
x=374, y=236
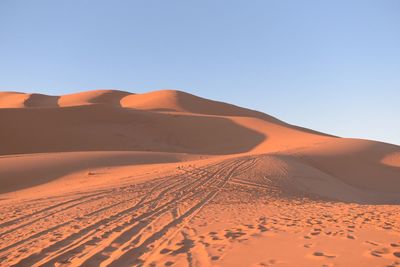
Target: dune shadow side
x=39, y=100
x=107, y=128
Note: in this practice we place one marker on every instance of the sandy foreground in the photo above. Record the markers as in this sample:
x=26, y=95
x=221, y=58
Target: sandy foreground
x=108, y=178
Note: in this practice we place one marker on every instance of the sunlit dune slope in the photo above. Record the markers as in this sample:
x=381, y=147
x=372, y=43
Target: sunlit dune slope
x=392, y=159
x=13, y=99
x=178, y=101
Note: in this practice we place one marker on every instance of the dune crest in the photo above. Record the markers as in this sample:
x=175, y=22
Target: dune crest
x=105, y=97
x=12, y=99
x=178, y=101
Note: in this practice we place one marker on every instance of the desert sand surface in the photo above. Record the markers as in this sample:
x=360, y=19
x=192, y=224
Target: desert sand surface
x=166, y=178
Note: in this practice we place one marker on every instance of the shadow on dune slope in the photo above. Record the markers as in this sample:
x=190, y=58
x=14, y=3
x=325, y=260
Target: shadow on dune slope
x=105, y=97
x=39, y=100
x=178, y=101
x=108, y=128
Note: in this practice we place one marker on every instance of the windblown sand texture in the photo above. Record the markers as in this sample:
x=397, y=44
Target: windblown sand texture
x=166, y=178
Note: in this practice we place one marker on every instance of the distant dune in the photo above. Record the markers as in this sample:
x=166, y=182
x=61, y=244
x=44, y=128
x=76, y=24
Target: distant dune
x=179, y=148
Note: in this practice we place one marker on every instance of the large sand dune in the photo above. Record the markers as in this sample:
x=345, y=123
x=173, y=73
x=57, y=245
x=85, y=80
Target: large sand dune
x=112, y=178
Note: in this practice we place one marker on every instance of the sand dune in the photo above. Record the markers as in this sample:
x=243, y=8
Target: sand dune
x=196, y=128
x=178, y=101
x=167, y=178
x=356, y=162
x=12, y=99
x=392, y=159
x=28, y=170
x=40, y=100
x=22, y=100
x=105, y=97
x=99, y=128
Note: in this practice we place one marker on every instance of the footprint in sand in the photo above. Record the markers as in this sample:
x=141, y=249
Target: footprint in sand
x=214, y=258
x=372, y=243
x=231, y=234
x=250, y=226
x=214, y=236
x=165, y=251
x=350, y=237
x=262, y=228
x=394, y=264
x=268, y=263
x=379, y=252
x=322, y=254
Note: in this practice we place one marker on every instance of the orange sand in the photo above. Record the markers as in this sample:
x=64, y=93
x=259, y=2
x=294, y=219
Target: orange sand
x=110, y=178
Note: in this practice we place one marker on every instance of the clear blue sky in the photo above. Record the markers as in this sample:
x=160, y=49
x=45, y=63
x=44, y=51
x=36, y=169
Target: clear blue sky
x=332, y=66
